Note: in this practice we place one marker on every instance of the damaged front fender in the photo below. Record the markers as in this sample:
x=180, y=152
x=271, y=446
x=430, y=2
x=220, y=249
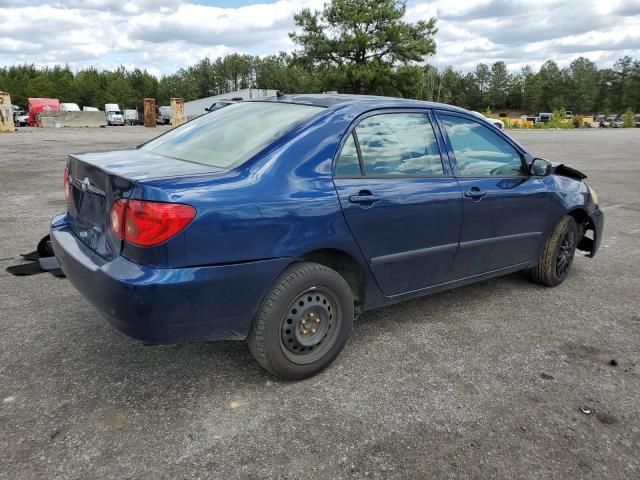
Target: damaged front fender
x=564, y=171
x=595, y=224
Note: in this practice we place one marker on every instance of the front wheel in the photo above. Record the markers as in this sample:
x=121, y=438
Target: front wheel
x=303, y=322
x=557, y=257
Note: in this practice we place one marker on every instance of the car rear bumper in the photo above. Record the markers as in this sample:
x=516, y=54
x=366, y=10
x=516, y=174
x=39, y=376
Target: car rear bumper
x=166, y=305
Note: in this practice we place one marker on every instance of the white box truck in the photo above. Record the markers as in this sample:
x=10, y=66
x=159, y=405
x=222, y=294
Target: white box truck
x=69, y=107
x=113, y=114
x=131, y=117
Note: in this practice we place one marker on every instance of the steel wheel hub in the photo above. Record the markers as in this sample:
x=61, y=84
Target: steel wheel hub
x=312, y=327
x=308, y=327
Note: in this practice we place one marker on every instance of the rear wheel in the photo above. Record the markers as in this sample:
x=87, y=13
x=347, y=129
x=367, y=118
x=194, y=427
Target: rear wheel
x=303, y=323
x=557, y=257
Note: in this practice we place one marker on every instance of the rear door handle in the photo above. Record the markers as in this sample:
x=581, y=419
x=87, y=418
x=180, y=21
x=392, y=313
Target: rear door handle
x=364, y=197
x=475, y=193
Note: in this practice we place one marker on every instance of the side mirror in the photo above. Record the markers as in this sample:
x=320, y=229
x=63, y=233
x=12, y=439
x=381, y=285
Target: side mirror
x=540, y=167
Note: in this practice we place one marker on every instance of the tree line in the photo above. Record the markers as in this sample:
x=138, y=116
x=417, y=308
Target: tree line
x=351, y=46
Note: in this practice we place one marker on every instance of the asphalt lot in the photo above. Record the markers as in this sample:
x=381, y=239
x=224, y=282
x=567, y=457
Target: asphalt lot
x=484, y=381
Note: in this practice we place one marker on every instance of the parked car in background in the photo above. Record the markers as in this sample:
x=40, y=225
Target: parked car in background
x=279, y=221
x=636, y=120
x=90, y=109
x=20, y=117
x=599, y=121
x=499, y=124
x=616, y=121
x=163, y=116
x=610, y=119
x=545, y=116
x=131, y=117
x=69, y=107
x=113, y=114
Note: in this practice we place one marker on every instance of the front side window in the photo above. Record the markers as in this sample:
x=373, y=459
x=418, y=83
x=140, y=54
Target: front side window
x=229, y=136
x=479, y=151
x=393, y=144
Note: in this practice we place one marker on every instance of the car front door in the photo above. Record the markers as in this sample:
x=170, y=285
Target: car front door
x=504, y=209
x=400, y=200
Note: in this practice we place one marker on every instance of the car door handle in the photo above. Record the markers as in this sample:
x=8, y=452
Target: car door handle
x=365, y=198
x=475, y=193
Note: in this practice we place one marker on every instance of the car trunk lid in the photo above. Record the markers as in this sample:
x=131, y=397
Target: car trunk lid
x=98, y=180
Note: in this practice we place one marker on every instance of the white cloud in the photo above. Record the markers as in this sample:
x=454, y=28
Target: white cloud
x=529, y=32
x=243, y=27
x=129, y=6
x=164, y=35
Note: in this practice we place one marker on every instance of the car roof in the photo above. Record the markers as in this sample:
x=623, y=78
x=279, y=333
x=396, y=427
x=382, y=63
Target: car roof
x=329, y=100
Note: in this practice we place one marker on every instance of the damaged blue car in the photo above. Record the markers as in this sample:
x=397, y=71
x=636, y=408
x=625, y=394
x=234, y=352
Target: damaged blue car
x=279, y=221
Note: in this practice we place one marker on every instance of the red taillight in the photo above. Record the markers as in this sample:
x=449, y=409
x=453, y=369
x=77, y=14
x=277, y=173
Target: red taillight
x=145, y=224
x=67, y=186
x=116, y=218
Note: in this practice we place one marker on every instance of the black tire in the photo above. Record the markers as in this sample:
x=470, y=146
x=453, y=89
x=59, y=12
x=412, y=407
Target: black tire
x=303, y=322
x=554, y=264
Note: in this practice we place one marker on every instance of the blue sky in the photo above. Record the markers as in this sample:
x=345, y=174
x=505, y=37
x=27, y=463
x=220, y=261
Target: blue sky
x=165, y=35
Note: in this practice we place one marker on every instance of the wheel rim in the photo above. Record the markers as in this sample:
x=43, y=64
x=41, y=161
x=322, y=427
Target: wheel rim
x=565, y=253
x=310, y=325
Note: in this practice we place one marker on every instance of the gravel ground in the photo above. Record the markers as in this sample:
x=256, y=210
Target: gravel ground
x=484, y=381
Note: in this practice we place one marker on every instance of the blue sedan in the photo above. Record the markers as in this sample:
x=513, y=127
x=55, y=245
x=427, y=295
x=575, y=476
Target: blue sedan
x=280, y=221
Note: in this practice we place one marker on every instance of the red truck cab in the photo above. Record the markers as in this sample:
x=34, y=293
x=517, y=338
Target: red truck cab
x=38, y=105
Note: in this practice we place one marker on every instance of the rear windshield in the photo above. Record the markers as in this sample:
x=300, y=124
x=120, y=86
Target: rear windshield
x=231, y=135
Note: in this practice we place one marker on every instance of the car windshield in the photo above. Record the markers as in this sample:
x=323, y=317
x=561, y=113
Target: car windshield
x=229, y=136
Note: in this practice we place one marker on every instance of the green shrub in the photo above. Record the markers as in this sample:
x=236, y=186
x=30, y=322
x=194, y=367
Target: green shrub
x=627, y=119
x=558, y=119
x=578, y=122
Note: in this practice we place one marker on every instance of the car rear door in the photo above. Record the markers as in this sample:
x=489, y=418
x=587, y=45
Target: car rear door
x=504, y=209
x=399, y=198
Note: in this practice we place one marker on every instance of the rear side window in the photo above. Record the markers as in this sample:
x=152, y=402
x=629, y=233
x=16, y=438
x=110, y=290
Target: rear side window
x=479, y=151
x=393, y=144
x=229, y=136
